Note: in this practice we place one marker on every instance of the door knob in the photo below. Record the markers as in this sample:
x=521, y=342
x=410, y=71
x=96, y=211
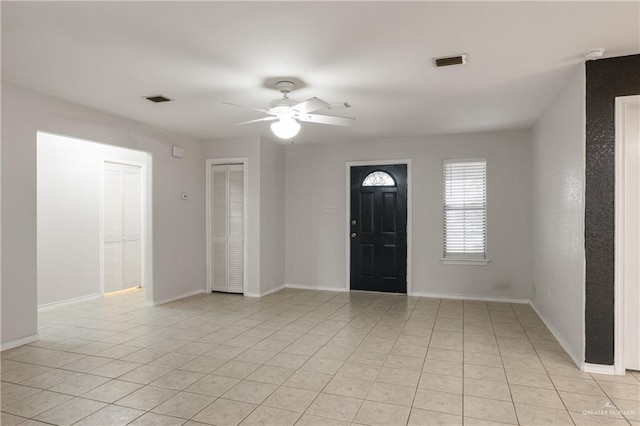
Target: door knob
x=353, y=235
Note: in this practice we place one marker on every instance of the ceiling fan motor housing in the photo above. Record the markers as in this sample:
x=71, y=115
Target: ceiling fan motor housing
x=282, y=106
x=285, y=86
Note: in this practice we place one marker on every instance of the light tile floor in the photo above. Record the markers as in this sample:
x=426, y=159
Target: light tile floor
x=305, y=358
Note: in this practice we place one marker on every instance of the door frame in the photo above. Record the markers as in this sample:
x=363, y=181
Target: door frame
x=219, y=162
x=351, y=164
x=145, y=226
x=621, y=104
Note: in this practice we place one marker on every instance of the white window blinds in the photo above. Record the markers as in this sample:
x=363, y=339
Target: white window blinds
x=465, y=209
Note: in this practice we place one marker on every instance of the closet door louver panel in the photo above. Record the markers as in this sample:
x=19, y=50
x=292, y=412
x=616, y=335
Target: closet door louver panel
x=132, y=203
x=112, y=267
x=131, y=270
x=112, y=206
x=112, y=229
x=219, y=228
x=236, y=229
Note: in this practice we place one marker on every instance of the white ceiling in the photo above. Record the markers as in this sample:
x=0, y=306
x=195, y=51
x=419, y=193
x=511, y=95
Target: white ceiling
x=375, y=55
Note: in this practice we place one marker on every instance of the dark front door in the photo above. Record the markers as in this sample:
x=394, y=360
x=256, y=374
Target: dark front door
x=378, y=228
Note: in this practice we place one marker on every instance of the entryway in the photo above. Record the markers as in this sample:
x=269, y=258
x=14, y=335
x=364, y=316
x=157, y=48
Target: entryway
x=378, y=227
x=94, y=227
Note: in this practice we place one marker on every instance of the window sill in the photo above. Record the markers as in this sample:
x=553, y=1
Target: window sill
x=465, y=261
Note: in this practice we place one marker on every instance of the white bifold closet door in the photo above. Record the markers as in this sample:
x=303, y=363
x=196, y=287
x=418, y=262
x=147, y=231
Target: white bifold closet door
x=122, y=227
x=227, y=228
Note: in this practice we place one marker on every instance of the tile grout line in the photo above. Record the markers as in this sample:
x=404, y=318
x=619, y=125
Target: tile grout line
x=425, y=359
x=111, y=379
x=298, y=369
x=545, y=370
x=423, y=362
x=333, y=375
x=226, y=361
x=610, y=399
x=278, y=386
x=513, y=404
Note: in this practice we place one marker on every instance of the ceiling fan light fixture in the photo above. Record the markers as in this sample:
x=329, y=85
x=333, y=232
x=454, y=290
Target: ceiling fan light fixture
x=285, y=128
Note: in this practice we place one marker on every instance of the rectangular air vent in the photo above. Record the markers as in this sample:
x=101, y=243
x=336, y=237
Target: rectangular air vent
x=446, y=61
x=157, y=99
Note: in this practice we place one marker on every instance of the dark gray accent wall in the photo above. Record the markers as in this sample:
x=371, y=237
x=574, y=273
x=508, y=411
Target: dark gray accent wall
x=606, y=79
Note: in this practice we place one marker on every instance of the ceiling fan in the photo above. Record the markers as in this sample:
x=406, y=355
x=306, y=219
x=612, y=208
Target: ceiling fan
x=288, y=112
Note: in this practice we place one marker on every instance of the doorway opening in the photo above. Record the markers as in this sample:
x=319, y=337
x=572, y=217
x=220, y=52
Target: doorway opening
x=627, y=235
x=379, y=226
x=94, y=227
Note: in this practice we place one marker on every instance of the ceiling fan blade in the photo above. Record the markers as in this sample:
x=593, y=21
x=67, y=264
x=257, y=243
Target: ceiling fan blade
x=246, y=107
x=310, y=105
x=339, y=105
x=256, y=120
x=327, y=119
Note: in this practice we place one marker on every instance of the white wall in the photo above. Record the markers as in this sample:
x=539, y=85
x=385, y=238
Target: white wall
x=69, y=180
x=558, y=210
x=272, y=215
x=244, y=148
x=178, y=226
x=316, y=241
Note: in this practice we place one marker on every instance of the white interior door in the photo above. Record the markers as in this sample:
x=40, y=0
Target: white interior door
x=122, y=227
x=227, y=228
x=632, y=236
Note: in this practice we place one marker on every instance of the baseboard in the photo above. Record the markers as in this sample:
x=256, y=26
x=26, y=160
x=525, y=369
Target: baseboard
x=311, y=287
x=174, y=298
x=53, y=305
x=266, y=293
x=558, y=337
x=467, y=297
x=19, y=342
x=417, y=294
x=273, y=290
x=598, y=368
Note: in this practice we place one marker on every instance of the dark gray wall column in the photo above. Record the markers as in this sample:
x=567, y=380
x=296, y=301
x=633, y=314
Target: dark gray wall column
x=606, y=79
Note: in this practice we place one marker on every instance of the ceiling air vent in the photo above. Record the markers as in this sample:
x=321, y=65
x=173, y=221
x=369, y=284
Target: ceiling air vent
x=446, y=61
x=157, y=99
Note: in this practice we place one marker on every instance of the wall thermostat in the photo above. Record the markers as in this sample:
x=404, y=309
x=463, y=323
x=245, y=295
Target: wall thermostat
x=178, y=151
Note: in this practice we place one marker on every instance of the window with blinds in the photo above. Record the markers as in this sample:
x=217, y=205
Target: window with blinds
x=465, y=209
